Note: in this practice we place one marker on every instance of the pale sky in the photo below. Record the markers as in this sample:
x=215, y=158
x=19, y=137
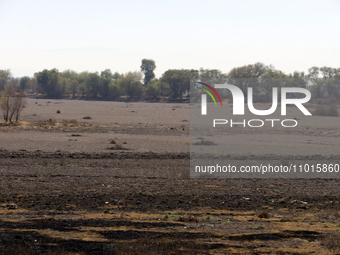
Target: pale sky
x=117, y=35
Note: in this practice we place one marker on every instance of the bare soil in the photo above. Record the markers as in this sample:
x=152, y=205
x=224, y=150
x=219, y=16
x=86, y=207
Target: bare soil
x=115, y=185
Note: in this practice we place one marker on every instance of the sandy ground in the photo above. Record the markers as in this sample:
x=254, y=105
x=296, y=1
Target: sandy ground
x=106, y=113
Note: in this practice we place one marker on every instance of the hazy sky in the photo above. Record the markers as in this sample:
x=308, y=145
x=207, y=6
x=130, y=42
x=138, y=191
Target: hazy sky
x=117, y=35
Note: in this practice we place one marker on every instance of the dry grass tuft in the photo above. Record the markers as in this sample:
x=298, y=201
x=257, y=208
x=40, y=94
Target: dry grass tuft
x=263, y=214
x=67, y=122
x=121, y=203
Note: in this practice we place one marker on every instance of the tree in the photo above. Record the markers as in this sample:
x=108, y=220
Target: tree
x=24, y=82
x=272, y=78
x=5, y=76
x=73, y=87
x=33, y=84
x=297, y=79
x=147, y=67
x=92, y=84
x=248, y=76
x=105, y=80
x=211, y=74
x=313, y=72
x=70, y=81
x=15, y=83
x=178, y=80
x=18, y=104
x=328, y=72
x=49, y=82
x=131, y=84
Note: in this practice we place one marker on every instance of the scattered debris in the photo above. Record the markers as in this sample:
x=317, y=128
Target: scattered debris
x=12, y=206
x=299, y=202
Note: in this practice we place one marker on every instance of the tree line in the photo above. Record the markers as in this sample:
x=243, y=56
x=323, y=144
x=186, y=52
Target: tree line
x=173, y=84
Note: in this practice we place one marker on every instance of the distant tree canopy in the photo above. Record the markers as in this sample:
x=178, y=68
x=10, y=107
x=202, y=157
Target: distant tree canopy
x=174, y=83
x=131, y=84
x=49, y=82
x=5, y=76
x=148, y=67
x=178, y=80
x=24, y=82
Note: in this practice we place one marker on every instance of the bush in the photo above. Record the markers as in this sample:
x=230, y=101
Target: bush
x=263, y=214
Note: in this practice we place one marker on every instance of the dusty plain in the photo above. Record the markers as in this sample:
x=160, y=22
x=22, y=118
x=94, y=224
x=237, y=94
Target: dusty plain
x=119, y=183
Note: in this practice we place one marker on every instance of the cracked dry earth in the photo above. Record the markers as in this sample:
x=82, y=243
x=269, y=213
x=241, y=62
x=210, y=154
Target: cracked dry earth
x=130, y=200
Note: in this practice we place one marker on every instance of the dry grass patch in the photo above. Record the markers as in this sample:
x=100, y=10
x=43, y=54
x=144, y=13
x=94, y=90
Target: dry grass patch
x=68, y=122
x=43, y=123
x=332, y=241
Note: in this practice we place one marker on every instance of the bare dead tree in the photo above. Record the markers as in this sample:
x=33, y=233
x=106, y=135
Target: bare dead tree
x=19, y=104
x=6, y=102
x=11, y=104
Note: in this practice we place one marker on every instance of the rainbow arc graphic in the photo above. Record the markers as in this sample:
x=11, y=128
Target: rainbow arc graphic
x=208, y=92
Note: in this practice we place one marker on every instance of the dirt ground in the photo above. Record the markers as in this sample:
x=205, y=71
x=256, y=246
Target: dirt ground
x=119, y=183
